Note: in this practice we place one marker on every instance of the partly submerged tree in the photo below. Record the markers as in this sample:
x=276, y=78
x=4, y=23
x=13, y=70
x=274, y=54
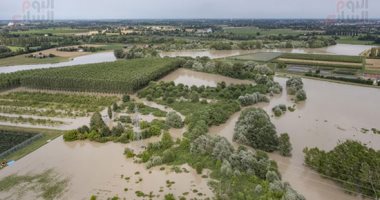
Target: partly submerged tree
x=255, y=129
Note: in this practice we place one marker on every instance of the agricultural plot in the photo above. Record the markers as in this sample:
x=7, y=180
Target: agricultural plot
x=9, y=139
x=323, y=57
x=114, y=77
x=332, y=61
x=260, y=57
x=53, y=105
x=53, y=31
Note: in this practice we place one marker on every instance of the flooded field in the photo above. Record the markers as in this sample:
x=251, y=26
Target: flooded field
x=339, y=49
x=332, y=113
x=190, y=78
x=102, y=170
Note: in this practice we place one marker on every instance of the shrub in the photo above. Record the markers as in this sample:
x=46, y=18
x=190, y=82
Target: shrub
x=174, y=120
x=70, y=135
x=285, y=147
x=126, y=98
x=129, y=153
x=301, y=95
x=169, y=197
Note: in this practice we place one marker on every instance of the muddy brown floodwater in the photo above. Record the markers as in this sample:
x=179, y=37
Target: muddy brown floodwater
x=102, y=169
x=339, y=49
x=333, y=112
x=190, y=78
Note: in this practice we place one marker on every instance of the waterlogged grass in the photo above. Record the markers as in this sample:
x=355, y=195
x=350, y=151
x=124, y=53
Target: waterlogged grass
x=47, y=185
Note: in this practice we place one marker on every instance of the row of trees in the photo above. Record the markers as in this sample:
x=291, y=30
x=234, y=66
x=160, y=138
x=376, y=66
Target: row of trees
x=119, y=76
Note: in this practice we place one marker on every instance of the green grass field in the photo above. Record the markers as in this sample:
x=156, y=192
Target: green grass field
x=262, y=32
x=323, y=57
x=22, y=60
x=47, y=135
x=14, y=48
x=259, y=57
x=352, y=40
x=54, y=31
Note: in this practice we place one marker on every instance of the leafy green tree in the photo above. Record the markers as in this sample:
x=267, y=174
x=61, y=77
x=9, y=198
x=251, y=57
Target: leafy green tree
x=115, y=107
x=109, y=112
x=255, y=129
x=355, y=164
x=119, y=53
x=301, y=95
x=284, y=146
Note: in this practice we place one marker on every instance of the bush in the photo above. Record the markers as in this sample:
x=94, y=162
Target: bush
x=169, y=197
x=129, y=153
x=301, y=95
x=174, y=120
x=284, y=146
x=126, y=98
x=70, y=135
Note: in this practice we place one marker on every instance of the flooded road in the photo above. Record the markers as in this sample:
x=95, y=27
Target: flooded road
x=102, y=170
x=333, y=112
x=190, y=78
x=339, y=49
x=86, y=59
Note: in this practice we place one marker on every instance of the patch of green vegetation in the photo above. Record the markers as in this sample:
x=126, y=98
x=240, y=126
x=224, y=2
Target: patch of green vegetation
x=15, y=48
x=255, y=31
x=352, y=164
x=48, y=185
x=353, y=40
x=53, y=31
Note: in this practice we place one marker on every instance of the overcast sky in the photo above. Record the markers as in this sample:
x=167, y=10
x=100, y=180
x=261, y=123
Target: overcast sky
x=131, y=9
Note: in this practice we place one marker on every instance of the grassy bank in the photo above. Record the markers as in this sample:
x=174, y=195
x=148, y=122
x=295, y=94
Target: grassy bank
x=22, y=60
